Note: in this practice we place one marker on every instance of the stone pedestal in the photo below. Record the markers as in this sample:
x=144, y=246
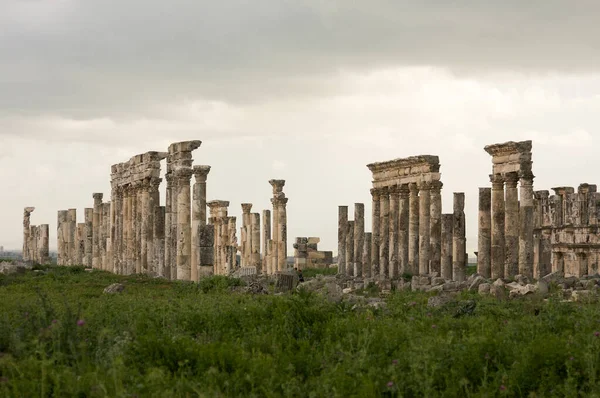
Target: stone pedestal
x=484, y=243
x=424, y=225
x=498, y=220
x=459, y=238
x=359, y=238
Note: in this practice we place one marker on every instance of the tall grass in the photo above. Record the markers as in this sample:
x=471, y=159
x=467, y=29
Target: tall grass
x=61, y=336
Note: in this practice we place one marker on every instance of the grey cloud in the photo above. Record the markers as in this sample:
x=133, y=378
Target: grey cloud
x=110, y=57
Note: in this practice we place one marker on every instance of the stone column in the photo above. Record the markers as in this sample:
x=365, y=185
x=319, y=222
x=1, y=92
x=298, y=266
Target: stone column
x=44, y=250
x=79, y=243
x=497, y=251
x=88, y=214
x=367, y=255
x=255, y=239
x=436, y=228
x=184, y=238
x=26, y=232
x=459, y=238
x=215, y=221
x=96, y=230
x=206, y=238
x=375, y=238
x=384, y=233
x=350, y=249
x=526, y=226
x=342, y=231
x=393, y=263
x=511, y=226
x=72, y=229
x=60, y=235
x=137, y=226
x=413, y=229
x=153, y=204
x=159, y=239
x=231, y=252
x=359, y=238
x=266, y=238
x=447, y=242
x=170, y=193
x=424, y=225
x=403, y=225
x=105, y=225
x=484, y=240
x=279, y=202
x=198, y=215
x=246, y=236
x=145, y=225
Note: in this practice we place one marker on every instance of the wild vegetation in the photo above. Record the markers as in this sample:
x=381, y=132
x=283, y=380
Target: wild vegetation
x=61, y=336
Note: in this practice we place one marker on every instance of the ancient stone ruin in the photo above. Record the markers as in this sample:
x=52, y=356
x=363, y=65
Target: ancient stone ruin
x=35, y=239
x=521, y=233
x=410, y=235
x=307, y=254
x=134, y=233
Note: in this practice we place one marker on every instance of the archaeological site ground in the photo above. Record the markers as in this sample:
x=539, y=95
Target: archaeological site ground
x=177, y=299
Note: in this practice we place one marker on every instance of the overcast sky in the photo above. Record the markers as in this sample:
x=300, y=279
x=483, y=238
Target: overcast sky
x=306, y=91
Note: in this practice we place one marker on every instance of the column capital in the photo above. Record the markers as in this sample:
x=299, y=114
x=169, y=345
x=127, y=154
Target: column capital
x=511, y=179
x=183, y=175
x=436, y=186
x=394, y=190
x=404, y=190
x=155, y=183
x=98, y=196
x=413, y=188
x=277, y=185
x=246, y=208
x=424, y=185
x=497, y=181
x=375, y=193
x=279, y=201
x=201, y=172
x=384, y=193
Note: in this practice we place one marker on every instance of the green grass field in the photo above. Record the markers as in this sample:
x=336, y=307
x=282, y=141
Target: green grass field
x=61, y=336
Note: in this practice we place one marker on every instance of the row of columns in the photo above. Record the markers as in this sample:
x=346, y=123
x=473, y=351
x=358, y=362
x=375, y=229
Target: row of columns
x=409, y=234
x=225, y=240
x=250, y=238
x=506, y=227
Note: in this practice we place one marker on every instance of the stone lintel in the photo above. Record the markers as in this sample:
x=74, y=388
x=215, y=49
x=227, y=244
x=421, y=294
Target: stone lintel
x=509, y=148
x=417, y=178
x=218, y=203
x=184, y=146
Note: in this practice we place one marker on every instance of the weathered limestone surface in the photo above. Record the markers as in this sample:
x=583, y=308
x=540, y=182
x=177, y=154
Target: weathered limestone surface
x=413, y=230
x=279, y=202
x=359, y=238
x=266, y=238
x=375, y=238
x=198, y=215
x=424, y=227
x=511, y=225
x=384, y=232
x=447, y=244
x=485, y=229
x=498, y=219
x=96, y=259
x=342, y=231
x=436, y=227
x=459, y=238
x=350, y=248
x=307, y=254
x=393, y=228
x=403, y=226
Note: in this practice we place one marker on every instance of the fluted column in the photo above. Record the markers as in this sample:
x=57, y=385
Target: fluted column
x=484, y=243
x=394, y=221
x=384, y=232
x=403, y=226
x=184, y=238
x=526, y=227
x=424, y=226
x=375, y=238
x=435, y=237
x=511, y=226
x=459, y=238
x=198, y=216
x=498, y=220
x=359, y=238
x=413, y=229
x=96, y=230
x=342, y=231
x=447, y=243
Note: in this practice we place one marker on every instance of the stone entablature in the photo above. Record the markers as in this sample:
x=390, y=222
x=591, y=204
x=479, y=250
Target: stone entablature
x=414, y=169
x=511, y=157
